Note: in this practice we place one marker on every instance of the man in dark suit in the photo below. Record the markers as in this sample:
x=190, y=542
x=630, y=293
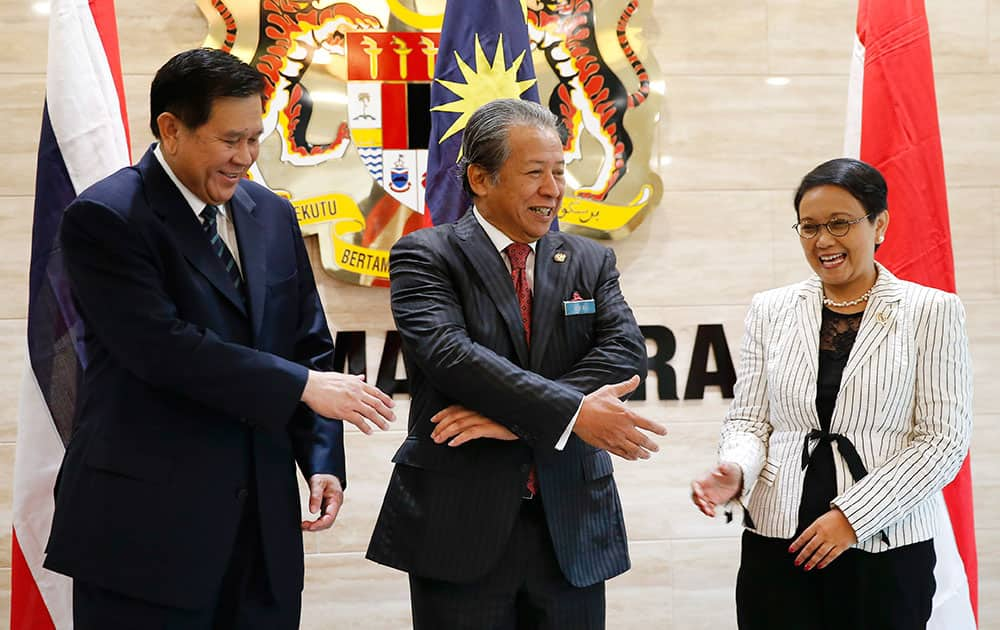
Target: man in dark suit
x=502, y=506
x=177, y=504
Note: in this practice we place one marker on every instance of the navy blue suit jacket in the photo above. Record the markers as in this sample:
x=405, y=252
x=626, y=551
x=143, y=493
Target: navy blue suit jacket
x=448, y=511
x=189, y=397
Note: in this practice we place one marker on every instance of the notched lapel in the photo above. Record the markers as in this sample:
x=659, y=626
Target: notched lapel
x=550, y=287
x=879, y=320
x=168, y=202
x=808, y=315
x=487, y=263
x=253, y=252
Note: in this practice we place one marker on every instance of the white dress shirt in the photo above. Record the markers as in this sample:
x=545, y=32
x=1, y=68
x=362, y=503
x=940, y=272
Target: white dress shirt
x=501, y=241
x=223, y=221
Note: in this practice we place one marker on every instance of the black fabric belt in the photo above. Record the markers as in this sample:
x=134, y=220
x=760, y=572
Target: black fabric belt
x=846, y=449
x=844, y=446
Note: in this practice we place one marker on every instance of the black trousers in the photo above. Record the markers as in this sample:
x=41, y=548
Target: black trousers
x=525, y=591
x=244, y=601
x=891, y=590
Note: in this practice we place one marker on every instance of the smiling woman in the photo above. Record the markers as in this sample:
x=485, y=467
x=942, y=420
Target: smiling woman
x=839, y=195
x=856, y=358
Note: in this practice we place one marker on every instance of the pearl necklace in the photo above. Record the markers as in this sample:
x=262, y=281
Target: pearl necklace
x=864, y=298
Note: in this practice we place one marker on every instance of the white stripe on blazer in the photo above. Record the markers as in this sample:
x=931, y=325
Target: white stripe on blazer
x=905, y=401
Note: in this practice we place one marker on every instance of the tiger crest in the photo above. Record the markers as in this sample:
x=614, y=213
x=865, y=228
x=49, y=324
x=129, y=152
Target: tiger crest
x=589, y=97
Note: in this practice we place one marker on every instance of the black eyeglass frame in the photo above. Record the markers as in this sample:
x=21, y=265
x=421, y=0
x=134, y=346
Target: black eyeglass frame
x=816, y=226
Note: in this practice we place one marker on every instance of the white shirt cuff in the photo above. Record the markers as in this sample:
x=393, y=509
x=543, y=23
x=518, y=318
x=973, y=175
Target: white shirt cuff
x=561, y=444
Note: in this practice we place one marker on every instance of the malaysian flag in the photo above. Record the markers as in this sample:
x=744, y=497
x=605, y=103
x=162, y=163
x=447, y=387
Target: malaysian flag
x=484, y=54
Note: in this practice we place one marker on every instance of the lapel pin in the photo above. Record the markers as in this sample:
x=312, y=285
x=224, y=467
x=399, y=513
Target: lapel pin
x=882, y=317
x=559, y=257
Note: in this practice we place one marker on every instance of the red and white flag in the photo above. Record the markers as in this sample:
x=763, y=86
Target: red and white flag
x=892, y=124
x=84, y=138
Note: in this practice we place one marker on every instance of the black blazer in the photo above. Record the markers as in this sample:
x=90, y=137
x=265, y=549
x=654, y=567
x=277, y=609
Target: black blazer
x=187, y=392
x=448, y=511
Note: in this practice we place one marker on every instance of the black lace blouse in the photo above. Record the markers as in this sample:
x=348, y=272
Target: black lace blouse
x=836, y=338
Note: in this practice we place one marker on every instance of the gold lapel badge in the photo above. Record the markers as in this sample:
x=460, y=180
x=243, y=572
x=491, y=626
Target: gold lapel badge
x=559, y=257
x=882, y=318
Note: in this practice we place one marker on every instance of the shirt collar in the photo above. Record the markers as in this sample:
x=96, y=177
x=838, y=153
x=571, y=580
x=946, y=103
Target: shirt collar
x=498, y=238
x=197, y=205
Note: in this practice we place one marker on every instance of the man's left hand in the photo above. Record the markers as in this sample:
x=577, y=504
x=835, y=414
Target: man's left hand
x=464, y=425
x=326, y=495
x=822, y=542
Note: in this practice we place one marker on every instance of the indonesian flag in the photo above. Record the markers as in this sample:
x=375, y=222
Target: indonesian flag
x=83, y=139
x=892, y=124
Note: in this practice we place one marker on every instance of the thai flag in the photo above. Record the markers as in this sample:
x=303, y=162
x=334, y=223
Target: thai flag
x=84, y=138
x=892, y=124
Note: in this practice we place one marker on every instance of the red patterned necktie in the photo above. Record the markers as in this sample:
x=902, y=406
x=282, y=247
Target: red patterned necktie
x=517, y=253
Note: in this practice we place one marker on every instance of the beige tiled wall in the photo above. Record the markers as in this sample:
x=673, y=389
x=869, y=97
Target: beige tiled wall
x=737, y=147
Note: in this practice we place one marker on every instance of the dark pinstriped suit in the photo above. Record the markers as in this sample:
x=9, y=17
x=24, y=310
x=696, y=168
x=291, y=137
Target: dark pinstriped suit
x=449, y=511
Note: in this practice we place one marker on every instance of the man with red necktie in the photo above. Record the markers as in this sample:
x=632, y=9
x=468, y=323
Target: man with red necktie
x=518, y=343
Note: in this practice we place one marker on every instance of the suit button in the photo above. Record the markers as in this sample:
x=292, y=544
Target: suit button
x=241, y=494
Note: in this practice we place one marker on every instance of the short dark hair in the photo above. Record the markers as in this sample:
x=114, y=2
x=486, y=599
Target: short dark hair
x=860, y=179
x=188, y=84
x=485, y=140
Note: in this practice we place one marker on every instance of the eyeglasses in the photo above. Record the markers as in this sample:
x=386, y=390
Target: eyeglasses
x=837, y=227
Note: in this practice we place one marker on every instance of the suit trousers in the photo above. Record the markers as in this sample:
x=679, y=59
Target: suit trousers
x=891, y=590
x=525, y=591
x=244, y=601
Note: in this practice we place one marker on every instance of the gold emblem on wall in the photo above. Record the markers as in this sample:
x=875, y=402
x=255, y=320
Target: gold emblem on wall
x=345, y=137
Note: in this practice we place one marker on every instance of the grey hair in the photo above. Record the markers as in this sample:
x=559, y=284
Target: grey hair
x=485, y=142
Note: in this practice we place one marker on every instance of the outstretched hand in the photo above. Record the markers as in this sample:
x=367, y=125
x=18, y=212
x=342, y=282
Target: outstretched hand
x=348, y=397
x=606, y=422
x=720, y=485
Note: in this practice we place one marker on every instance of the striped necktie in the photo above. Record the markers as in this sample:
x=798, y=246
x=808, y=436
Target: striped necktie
x=211, y=227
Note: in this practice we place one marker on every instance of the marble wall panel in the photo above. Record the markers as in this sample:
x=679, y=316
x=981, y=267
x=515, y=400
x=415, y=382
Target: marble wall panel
x=985, y=471
x=24, y=29
x=973, y=239
x=706, y=247
x=738, y=133
x=703, y=594
x=4, y=598
x=810, y=38
x=984, y=344
x=641, y=597
x=970, y=126
x=6, y=496
x=12, y=366
x=994, y=33
x=996, y=233
x=988, y=542
x=714, y=37
x=21, y=111
x=146, y=44
x=959, y=38
x=15, y=252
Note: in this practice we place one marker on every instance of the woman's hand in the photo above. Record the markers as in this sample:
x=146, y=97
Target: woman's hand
x=822, y=542
x=720, y=485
